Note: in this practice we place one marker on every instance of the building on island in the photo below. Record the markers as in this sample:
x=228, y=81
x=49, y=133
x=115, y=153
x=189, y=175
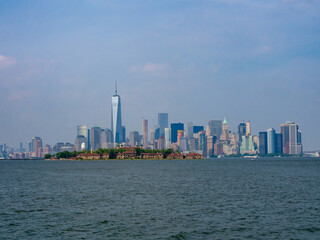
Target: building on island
x=126, y=155
x=89, y=156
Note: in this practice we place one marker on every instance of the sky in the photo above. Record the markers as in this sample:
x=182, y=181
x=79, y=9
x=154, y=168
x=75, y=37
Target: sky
x=195, y=59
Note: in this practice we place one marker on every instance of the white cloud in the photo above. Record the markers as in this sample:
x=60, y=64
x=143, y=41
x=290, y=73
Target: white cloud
x=6, y=61
x=149, y=68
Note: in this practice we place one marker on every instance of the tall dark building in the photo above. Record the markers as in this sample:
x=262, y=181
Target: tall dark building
x=174, y=131
x=263, y=143
x=279, y=147
x=163, y=122
x=197, y=129
x=241, y=130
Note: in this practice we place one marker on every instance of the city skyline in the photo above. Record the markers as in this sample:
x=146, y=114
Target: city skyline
x=196, y=61
x=86, y=138
x=212, y=140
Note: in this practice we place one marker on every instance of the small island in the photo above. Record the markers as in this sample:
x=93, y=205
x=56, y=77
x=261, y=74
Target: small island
x=122, y=154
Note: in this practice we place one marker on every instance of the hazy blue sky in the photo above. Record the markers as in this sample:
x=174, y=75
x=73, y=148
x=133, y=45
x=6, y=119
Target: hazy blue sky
x=195, y=59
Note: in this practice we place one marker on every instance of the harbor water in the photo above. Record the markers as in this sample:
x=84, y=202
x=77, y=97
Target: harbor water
x=230, y=198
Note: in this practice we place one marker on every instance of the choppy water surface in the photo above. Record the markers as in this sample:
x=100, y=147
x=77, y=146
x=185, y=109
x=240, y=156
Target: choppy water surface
x=183, y=199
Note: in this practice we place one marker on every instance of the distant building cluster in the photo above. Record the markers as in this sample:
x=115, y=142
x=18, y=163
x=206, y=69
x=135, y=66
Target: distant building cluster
x=213, y=140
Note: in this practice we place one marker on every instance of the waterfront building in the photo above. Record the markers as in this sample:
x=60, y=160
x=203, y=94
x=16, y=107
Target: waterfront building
x=215, y=128
x=279, y=143
x=228, y=149
x=247, y=145
x=126, y=155
x=149, y=156
x=218, y=148
x=145, y=132
x=263, y=143
x=116, y=121
x=167, y=137
x=89, y=156
x=175, y=156
x=36, y=147
x=189, y=129
x=95, y=138
x=241, y=130
x=203, y=143
x=174, y=131
x=163, y=122
x=134, y=139
x=291, y=138
x=194, y=156
x=271, y=136
x=89, y=140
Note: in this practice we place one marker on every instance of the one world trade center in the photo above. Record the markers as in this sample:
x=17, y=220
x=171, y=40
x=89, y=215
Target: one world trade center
x=116, y=123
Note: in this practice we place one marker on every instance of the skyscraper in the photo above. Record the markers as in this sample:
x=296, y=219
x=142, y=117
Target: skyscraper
x=247, y=145
x=162, y=122
x=180, y=135
x=134, y=138
x=271, y=136
x=95, y=138
x=116, y=122
x=215, y=128
x=80, y=140
x=263, y=143
x=167, y=137
x=225, y=131
x=248, y=128
x=197, y=129
x=189, y=129
x=291, y=138
x=242, y=130
x=279, y=143
x=145, y=132
x=152, y=133
x=82, y=130
x=174, y=131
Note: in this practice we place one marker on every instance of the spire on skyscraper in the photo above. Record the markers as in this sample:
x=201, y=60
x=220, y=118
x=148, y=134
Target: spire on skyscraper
x=116, y=88
x=225, y=121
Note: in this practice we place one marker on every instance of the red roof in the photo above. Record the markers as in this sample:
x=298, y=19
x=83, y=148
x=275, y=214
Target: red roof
x=88, y=154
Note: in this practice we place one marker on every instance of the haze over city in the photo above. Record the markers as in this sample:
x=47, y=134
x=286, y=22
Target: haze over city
x=196, y=60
